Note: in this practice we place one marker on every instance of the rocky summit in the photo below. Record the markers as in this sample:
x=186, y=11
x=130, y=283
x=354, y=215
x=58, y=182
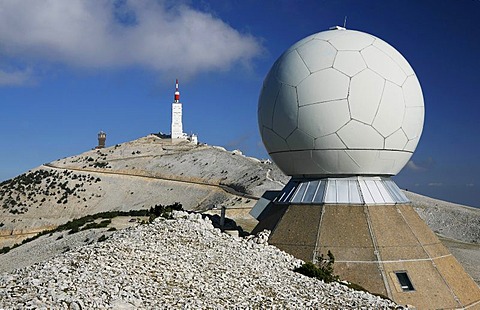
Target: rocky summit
x=182, y=262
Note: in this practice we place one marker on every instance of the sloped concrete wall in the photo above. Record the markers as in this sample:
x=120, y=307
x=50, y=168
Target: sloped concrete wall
x=297, y=231
x=371, y=244
x=345, y=231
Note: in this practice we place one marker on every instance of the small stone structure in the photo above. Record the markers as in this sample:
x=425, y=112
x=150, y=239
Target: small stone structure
x=102, y=137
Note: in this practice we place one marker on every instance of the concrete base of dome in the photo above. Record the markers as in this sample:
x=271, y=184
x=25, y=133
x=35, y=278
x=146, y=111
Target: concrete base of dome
x=377, y=247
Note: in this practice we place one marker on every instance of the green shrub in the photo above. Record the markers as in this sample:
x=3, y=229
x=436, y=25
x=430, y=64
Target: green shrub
x=100, y=165
x=102, y=224
x=102, y=238
x=74, y=230
x=323, y=270
x=237, y=187
x=164, y=211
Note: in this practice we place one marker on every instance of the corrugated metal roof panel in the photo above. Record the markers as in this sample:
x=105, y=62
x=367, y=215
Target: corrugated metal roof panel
x=351, y=190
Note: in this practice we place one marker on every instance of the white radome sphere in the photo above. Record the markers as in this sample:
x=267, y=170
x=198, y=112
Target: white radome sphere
x=341, y=102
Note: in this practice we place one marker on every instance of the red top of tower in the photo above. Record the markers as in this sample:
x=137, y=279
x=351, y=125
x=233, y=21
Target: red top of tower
x=177, y=93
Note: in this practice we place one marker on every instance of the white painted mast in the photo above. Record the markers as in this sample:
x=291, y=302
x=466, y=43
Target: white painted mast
x=177, y=126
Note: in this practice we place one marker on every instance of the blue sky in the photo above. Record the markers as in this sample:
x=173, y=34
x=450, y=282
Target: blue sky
x=71, y=68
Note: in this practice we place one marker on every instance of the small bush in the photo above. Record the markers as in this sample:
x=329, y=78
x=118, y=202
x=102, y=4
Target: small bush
x=102, y=224
x=102, y=238
x=100, y=164
x=74, y=230
x=323, y=271
x=164, y=211
x=237, y=187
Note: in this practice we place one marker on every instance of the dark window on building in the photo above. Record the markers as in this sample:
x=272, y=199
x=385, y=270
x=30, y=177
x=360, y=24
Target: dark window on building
x=404, y=280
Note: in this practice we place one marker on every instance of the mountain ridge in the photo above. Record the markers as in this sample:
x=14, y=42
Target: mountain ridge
x=133, y=175
x=150, y=170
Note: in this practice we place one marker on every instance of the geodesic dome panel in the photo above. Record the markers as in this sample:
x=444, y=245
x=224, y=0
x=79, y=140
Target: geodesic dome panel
x=341, y=102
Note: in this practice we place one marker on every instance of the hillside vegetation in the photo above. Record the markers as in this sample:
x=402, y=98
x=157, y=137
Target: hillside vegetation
x=130, y=176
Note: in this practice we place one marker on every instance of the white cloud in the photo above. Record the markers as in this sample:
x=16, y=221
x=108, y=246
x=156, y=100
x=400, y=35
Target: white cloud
x=413, y=166
x=15, y=78
x=420, y=166
x=103, y=34
x=435, y=184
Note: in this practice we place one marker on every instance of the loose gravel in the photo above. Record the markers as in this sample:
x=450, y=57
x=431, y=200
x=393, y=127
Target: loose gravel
x=180, y=263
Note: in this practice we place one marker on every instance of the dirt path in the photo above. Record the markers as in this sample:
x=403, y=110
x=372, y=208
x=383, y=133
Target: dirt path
x=223, y=187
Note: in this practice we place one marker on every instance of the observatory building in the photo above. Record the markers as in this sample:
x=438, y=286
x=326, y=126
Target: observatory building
x=341, y=112
x=177, y=133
